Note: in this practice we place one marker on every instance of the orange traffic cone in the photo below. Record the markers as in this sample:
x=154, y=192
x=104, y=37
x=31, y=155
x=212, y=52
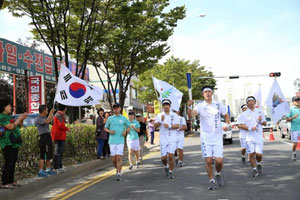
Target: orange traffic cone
x=298, y=145
x=271, y=135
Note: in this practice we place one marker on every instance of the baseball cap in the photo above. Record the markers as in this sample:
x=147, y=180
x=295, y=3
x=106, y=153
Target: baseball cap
x=138, y=115
x=296, y=98
x=116, y=105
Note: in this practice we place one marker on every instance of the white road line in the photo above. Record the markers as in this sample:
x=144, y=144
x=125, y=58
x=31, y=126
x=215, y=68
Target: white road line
x=287, y=143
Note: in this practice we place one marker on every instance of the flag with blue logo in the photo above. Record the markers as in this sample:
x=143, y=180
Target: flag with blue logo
x=73, y=91
x=167, y=91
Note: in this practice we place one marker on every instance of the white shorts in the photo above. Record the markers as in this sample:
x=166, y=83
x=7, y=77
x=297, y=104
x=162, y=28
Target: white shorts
x=133, y=144
x=116, y=149
x=209, y=150
x=243, y=143
x=179, y=144
x=169, y=147
x=295, y=136
x=255, y=147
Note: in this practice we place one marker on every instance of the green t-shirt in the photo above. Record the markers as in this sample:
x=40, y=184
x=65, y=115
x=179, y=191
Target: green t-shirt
x=118, y=124
x=295, y=123
x=133, y=135
x=4, y=139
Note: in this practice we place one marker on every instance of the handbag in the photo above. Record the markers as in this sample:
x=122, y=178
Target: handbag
x=15, y=139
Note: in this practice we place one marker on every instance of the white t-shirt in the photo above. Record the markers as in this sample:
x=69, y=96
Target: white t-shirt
x=250, y=119
x=210, y=121
x=242, y=131
x=166, y=134
x=180, y=133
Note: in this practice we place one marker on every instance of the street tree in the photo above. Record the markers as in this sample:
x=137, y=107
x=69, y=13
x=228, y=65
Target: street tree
x=137, y=39
x=174, y=72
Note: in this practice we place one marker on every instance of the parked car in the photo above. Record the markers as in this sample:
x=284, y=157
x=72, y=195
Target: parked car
x=227, y=135
x=284, y=128
x=270, y=125
x=29, y=121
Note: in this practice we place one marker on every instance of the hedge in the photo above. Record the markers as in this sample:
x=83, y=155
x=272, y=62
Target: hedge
x=81, y=145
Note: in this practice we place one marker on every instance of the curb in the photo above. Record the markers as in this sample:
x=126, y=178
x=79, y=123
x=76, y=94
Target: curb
x=35, y=184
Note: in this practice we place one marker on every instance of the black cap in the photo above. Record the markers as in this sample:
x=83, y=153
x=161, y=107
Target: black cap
x=295, y=98
x=131, y=113
x=207, y=87
x=138, y=115
x=116, y=105
x=250, y=98
x=166, y=101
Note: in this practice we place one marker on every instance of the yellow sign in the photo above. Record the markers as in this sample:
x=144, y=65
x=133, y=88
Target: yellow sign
x=156, y=107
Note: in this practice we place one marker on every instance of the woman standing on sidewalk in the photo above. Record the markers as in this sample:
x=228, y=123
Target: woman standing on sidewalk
x=100, y=133
x=151, y=130
x=10, y=141
x=106, y=151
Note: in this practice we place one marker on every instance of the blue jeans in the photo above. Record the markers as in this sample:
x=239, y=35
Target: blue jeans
x=100, y=147
x=152, y=137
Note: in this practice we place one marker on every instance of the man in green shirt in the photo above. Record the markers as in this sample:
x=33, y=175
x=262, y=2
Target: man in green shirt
x=116, y=126
x=294, y=117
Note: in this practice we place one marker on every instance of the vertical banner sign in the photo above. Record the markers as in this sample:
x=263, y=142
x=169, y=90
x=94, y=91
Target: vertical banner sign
x=36, y=96
x=189, y=83
x=156, y=107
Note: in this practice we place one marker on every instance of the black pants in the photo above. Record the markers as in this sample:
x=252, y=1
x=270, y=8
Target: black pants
x=10, y=159
x=45, y=144
x=106, y=150
x=59, y=150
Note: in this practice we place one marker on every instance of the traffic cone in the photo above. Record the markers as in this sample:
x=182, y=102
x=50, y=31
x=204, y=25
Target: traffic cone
x=271, y=135
x=298, y=145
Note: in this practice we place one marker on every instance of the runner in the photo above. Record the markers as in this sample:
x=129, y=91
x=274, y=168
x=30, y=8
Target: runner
x=133, y=143
x=294, y=117
x=251, y=121
x=116, y=126
x=180, y=139
x=243, y=137
x=168, y=122
x=211, y=134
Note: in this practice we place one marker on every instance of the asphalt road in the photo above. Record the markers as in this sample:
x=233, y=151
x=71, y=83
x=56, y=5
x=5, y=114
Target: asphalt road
x=280, y=179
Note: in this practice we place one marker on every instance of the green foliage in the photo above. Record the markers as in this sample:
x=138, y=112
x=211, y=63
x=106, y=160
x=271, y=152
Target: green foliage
x=174, y=72
x=80, y=146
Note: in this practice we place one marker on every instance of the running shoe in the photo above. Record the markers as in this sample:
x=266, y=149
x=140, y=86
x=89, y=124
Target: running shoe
x=130, y=167
x=212, y=186
x=167, y=171
x=171, y=176
x=42, y=173
x=294, y=157
x=180, y=164
x=51, y=172
x=220, y=180
x=243, y=160
x=259, y=169
x=254, y=173
x=119, y=177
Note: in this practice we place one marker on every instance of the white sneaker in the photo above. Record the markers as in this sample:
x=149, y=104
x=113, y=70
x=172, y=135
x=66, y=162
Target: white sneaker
x=294, y=157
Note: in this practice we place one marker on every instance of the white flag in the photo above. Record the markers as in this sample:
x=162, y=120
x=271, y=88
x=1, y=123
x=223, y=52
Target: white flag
x=168, y=91
x=277, y=102
x=257, y=96
x=73, y=91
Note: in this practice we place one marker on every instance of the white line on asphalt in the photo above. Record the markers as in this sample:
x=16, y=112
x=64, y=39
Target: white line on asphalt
x=287, y=143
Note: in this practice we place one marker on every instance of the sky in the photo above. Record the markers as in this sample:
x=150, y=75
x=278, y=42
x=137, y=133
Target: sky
x=236, y=37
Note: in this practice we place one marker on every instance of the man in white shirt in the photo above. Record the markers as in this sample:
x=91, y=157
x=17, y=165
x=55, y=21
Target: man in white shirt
x=180, y=138
x=251, y=121
x=211, y=135
x=243, y=136
x=168, y=123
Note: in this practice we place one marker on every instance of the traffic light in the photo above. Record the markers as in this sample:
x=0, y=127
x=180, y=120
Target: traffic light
x=274, y=74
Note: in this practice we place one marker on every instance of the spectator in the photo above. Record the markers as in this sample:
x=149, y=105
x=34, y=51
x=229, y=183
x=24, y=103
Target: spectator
x=45, y=142
x=100, y=133
x=151, y=130
x=58, y=134
x=142, y=136
x=106, y=150
x=10, y=141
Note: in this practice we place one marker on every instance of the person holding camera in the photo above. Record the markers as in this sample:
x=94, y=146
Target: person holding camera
x=10, y=141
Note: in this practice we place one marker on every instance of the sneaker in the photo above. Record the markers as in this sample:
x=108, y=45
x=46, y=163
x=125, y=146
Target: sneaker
x=171, y=176
x=119, y=177
x=42, y=173
x=51, y=172
x=254, y=173
x=243, y=160
x=181, y=164
x=130, y=167
x=167, y=171
x=59, y=171
x=212, y=186
x=220, y=180
x=294, y=157
x=138, y=164
x=259, y=169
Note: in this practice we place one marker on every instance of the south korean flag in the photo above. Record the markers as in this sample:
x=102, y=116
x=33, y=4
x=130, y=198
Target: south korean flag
x=73, y=91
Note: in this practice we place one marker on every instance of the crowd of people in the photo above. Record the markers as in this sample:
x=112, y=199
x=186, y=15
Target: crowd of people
x=113, y=130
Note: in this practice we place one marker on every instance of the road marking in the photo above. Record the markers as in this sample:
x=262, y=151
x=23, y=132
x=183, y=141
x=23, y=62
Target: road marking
x=287, y=143
x=78, y=188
